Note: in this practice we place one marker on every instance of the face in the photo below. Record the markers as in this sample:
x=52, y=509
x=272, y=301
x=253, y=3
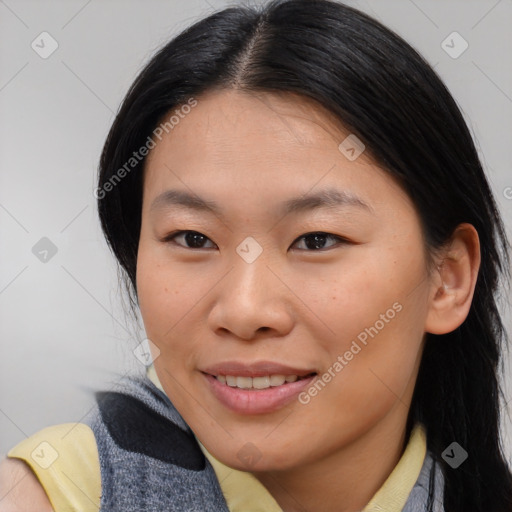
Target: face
x=282, y=279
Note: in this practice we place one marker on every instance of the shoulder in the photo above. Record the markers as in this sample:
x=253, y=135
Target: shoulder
x=61, y=462
x=20, y=490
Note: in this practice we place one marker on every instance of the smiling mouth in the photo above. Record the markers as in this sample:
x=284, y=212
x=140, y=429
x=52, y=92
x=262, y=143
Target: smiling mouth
x=261, y=382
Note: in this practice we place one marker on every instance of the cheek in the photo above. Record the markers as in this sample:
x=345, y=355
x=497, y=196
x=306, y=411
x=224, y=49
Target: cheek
x=169, y=305
x=151, y=289
x=376, y=312
x=160, y=287
x=375, y=363
x=160, y=295
x=363, y=291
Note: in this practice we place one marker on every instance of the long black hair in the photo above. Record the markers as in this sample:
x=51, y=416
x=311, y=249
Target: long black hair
x=387, y=94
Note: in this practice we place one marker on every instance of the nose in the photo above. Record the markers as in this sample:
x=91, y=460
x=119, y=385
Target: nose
x=252, y=301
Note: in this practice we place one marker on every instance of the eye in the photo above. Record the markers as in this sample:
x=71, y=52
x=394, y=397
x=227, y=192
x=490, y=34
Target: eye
x=194, y=238
x=316, y=240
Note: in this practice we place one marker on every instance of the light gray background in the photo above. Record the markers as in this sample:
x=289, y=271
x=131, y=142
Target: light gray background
x=63, y=329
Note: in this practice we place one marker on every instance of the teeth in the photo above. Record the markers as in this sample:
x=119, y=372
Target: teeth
x=277, y=380
x=264, y=382
x=261, y=382
x=244, y=382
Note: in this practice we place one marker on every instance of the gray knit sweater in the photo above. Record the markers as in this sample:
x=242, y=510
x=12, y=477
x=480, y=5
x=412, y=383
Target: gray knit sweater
x=150, y=461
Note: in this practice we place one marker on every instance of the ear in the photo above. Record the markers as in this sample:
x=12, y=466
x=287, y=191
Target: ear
x=453, y=284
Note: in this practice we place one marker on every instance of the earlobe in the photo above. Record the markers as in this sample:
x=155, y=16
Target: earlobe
x=453, y=284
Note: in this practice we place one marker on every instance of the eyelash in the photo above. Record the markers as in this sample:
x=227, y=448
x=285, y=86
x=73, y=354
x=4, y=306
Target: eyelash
x=170, y=238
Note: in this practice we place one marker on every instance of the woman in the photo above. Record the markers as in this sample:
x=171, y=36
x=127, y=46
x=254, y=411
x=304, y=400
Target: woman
x=304, y=223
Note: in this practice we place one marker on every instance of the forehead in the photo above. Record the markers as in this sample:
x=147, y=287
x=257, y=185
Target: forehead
x=281, y=111
x=225, y=124
x=236, y=142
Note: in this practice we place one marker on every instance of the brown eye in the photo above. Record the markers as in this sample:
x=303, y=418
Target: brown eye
x=192, y=239
x=317, y=241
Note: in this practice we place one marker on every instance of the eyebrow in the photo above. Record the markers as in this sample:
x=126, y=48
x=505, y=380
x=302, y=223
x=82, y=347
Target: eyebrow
x=329, y=198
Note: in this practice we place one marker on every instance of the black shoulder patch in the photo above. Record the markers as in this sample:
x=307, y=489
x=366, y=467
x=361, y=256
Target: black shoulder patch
x=137, y=428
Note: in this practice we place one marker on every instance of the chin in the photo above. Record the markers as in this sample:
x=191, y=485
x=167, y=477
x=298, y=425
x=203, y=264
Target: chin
x=259, y=461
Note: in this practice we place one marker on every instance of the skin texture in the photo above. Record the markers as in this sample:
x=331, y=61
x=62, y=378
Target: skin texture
x=294, y=304
x=20, y=490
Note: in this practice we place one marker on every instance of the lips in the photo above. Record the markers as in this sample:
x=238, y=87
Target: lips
x=256, y=388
